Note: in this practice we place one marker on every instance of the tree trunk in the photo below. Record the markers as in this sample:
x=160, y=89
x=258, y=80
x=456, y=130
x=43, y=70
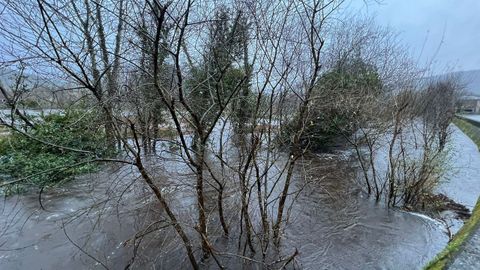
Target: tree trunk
x=202, y=219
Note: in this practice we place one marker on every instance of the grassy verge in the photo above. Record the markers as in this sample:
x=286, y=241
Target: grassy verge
x=454, y=246
x=470, y=130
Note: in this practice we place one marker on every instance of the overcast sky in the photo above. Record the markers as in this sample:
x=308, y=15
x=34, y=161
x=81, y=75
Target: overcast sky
x=447, y=30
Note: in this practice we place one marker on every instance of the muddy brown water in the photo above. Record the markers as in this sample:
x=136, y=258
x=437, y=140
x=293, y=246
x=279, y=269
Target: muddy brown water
x=90, y=223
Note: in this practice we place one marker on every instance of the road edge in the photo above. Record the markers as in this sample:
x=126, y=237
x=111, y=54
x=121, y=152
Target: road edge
x=455, y=246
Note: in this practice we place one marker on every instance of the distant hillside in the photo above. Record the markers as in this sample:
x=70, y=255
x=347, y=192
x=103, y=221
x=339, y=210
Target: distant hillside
x=469, y=79
x=7, y=76
x=43, y=93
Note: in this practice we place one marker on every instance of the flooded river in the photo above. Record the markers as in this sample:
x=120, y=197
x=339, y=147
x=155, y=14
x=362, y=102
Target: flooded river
x=91, y=223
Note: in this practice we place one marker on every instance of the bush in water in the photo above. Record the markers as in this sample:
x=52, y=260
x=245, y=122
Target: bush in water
x=40, y=164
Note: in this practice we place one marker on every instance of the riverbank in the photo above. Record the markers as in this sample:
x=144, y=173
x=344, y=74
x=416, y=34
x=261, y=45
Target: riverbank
x=471, y=227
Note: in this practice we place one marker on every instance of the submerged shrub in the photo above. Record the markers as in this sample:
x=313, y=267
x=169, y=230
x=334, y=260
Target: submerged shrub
x=340, y=103
x=41, y=164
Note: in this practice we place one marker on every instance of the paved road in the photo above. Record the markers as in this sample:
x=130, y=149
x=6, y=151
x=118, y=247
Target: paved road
x=469, y=257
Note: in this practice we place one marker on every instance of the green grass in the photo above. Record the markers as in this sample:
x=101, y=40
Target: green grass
x=470, y=130
x=442, y=260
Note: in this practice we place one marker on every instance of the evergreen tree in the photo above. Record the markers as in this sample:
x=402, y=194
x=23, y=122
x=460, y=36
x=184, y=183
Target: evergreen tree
x=220, y=77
